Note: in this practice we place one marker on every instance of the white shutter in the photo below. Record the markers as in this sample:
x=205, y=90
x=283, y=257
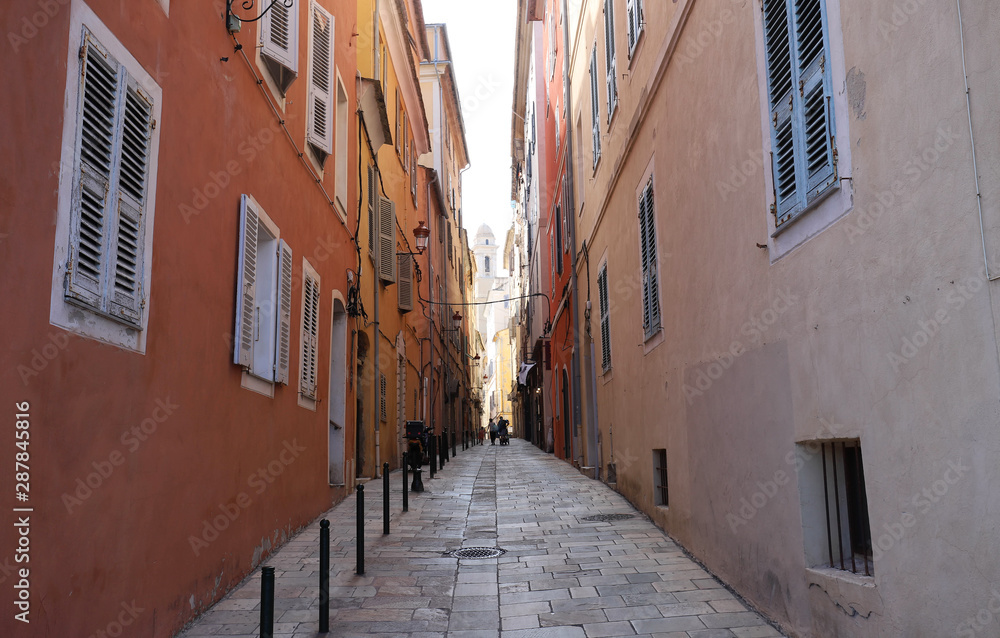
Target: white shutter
x=595, y=107
x=126, y=289
x=609, y=51
x=90, y=249
x=404, y=285
x=246, y=284
x=372, y=203
x=284, y=313
x=310, y=336
x=280, y=33
x=320, y=109
x=387, y=239
x=634, y=9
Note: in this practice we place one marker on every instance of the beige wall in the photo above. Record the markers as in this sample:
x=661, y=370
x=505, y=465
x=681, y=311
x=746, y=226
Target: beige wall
x=834, y=307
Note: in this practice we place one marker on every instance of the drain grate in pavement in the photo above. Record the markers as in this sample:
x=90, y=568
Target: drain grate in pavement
x=607, y=518
x=479, y=552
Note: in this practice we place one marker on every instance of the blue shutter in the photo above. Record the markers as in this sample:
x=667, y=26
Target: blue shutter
x=815, y=95
x=778, y=49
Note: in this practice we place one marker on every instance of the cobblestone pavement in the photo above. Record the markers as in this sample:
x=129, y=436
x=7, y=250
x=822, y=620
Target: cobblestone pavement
x=561, y=576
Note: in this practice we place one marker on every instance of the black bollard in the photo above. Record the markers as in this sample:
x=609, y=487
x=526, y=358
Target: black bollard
x=454, y=439
x=361, y=531
x=432, y=452
x=385, y=497
x=324, y=576
x=406, y=488
x=267, y=602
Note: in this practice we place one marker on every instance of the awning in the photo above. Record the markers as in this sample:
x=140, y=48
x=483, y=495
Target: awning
x=522, y=375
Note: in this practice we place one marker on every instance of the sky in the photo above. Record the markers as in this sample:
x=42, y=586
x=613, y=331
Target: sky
x=481, y=35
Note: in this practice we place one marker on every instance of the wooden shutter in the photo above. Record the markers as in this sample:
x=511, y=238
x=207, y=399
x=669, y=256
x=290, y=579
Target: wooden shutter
x=404, y=284
x=387, y=239
x=602, y=294
x=319, y=130
x=372, y=203
x=595, y=107
x=89, y=252
x=126, y=291
x=246, y=289
x=310, y=336
x=381, y=395
x=634, y=10
x=815, y=94
x=609, y=50
x=284, y=313
x=280, y=34
x=650, y=283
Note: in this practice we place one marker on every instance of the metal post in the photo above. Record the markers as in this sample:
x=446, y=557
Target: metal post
x=454, y=449
x=361, y=531
x=385, y=498
x=324, y=576
x=406, y=481
x=267, y=602
x=432, y=452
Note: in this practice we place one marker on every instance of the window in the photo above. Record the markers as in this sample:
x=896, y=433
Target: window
x=399, y=124
x=263, y=296
x=487, y=265
x=343, y=116
x=552, y=47
x=320, y=114
x=800, y=93
x=595, y=107
x=660, y=491
x=406, y=144
x=602, y=296
x=279, y=43
x=384, y=60
x=310, y=332
x=634, y=9
x=110, y=229
x=382, y=413
x=413, y=174
x=386, y=239
x=647, y=251
x=372, y=205
x=837, y=531
x=609, y=54
x=404, y=283
x=559, y=241
x=451, y=245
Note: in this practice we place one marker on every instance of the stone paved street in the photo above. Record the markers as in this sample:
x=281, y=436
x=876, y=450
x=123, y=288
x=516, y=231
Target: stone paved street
x=561, y=575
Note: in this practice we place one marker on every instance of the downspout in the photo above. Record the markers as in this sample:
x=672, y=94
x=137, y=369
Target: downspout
x=430, y=298
x=377, y=395
x=570, y=190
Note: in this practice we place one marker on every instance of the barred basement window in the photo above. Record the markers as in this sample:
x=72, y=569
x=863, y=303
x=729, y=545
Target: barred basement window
x=660, y=491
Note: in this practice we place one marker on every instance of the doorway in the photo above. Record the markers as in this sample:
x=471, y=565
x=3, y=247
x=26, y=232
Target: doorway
x=338, y=394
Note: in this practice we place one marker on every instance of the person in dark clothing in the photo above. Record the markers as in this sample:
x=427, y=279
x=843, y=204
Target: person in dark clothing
x=493, y=432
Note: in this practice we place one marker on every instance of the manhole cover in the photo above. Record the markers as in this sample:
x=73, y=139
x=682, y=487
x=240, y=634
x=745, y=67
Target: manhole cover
x=478, y=552
x=607, y=518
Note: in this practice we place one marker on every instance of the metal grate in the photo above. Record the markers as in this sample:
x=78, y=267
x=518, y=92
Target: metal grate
x=608, y=518
x=479, y=552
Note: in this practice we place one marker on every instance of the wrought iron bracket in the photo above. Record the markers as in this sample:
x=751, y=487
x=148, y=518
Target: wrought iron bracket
x=235, y=22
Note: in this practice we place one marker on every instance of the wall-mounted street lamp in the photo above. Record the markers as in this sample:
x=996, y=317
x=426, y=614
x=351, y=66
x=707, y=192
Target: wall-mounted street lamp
x=234, y=22
x=421, y=233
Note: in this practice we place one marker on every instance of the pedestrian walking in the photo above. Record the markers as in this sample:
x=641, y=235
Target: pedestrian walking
x=493, y=432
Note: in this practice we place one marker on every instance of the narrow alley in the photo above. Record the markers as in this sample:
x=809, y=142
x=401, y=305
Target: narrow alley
x=562, y=574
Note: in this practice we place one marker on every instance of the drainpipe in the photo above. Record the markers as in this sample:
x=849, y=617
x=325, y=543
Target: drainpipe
x=430, y=298
x=376, y=413
x=570, y=190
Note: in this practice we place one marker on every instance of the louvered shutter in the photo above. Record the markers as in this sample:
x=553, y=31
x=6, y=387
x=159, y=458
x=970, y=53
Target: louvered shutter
x=320, y=114
x=803, y=154
x=381, y=394
x=284, y=313
x=413, y=174
x=90, y=249
x=634, y=10
x=595, y=107
x=280, y=34
x=609, y=51
x=602, y=295
x=387, y=239
x=817, y=129
x=310, y=336
x=404, y=284
x=246, y=279
x=126, y=291
x=372, y=203
x=399, y=123
x=651, y=287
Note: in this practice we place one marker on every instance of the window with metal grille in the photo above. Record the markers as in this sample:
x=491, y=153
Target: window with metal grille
x=648, y=260
x=279, y=43
x=837, y=531
x=660, y=484
x=602, y=295
x=803, y=148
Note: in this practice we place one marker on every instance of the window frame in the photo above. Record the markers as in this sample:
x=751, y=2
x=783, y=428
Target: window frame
x=92, y=322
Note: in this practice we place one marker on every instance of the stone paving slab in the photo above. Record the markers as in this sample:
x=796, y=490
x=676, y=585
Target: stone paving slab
x=561, y=576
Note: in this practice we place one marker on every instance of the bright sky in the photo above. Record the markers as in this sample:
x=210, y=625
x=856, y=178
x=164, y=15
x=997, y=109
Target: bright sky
x=481, y=35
